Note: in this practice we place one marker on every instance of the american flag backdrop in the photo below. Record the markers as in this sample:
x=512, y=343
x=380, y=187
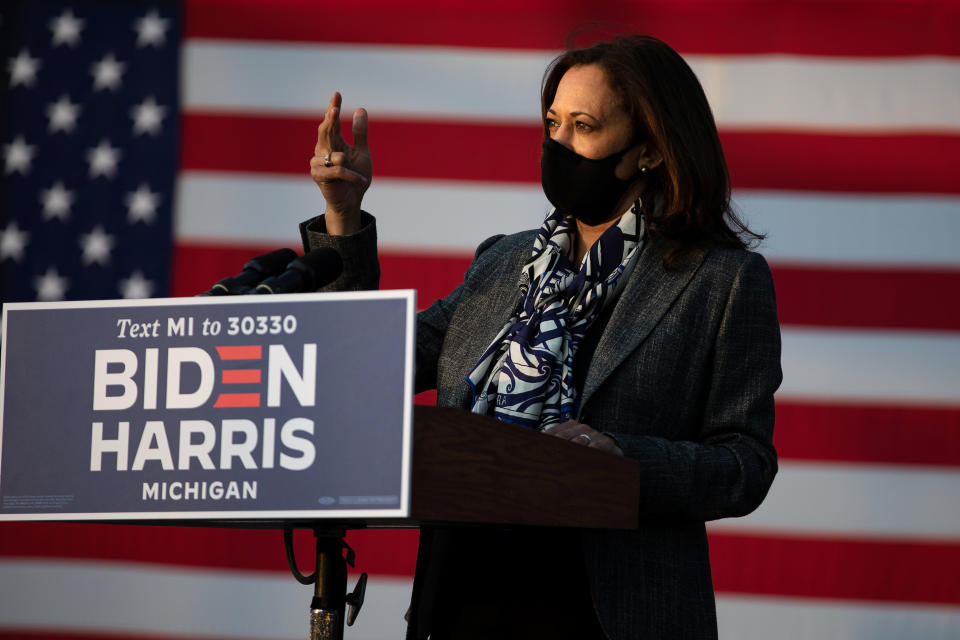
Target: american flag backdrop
x=841, y=125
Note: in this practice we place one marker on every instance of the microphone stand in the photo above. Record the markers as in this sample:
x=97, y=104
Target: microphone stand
x=329, y=581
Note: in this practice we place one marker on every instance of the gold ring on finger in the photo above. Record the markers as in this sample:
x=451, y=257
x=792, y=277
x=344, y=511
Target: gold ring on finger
x=326, y=160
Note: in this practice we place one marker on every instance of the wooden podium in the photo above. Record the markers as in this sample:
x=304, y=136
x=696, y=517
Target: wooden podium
x=473, y=470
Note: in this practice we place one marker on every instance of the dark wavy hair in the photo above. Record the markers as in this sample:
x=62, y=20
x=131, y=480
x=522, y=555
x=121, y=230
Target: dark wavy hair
x=671, y=115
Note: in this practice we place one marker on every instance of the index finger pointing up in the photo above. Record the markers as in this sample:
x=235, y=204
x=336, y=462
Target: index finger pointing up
x=329, y=129
x=360, y=129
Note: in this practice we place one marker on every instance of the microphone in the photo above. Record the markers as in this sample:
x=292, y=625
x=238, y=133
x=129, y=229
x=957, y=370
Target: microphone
x=308, y=273
x=269, y=264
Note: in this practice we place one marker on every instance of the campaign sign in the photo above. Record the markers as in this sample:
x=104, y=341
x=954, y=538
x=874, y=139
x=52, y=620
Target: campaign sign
x=242, y=407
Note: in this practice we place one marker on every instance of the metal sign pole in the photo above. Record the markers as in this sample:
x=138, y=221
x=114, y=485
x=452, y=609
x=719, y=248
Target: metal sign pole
x=330, y=599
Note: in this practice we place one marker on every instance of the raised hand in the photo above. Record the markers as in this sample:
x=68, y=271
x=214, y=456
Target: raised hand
x=343, y=172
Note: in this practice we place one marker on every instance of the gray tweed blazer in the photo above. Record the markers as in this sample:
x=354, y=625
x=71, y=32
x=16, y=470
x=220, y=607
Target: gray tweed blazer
x=683, y=377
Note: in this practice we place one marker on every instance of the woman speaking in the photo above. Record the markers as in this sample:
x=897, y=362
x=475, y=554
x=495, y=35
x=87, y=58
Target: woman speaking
x=634, y=321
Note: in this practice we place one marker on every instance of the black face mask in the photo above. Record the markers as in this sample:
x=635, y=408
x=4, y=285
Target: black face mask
x=580, y=187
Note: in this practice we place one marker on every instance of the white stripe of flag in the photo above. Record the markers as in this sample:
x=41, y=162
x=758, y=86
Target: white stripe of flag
x=796, y=92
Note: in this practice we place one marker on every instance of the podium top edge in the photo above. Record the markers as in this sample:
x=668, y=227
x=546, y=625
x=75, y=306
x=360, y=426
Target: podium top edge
x=388, y=294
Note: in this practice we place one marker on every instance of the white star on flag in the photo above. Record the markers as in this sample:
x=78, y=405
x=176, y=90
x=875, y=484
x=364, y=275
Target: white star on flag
x=103, y=159
x=142, y=204
x=96, y=246
x=57, y=201
x=63, y=115
x=51, y=285
x=136, y=286
x=151, y=29
x=147, y=117
x=17, y=156
x=23, y=69
x=107, y=73
x=66, y=29
x=12, y=242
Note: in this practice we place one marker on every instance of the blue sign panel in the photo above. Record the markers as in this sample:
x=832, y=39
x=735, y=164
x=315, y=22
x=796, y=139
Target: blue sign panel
x=252, y=407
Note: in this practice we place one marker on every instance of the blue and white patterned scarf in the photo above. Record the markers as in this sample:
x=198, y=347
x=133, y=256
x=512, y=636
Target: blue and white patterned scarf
x=526, y=372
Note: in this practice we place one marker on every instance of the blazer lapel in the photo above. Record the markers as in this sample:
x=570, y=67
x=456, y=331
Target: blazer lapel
x=647, y=296
x=489, y=312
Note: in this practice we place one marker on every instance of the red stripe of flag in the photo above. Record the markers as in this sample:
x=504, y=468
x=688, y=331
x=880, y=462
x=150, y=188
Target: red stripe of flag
x=856, y=434
x=732, y=27
x=385, y=553
x=245, y=352
x=899, y=298
x=767, y=159
x=773, y=159
x=200, y=263
x=818, y=567
x=273, y=144
x=229, y=400
x=869, y=434
x=196, y=266
x=240, y=376
x=874, y=297
x=406, y=269
x=836, y=568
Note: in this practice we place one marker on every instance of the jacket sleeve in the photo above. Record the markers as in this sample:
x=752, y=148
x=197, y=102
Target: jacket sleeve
x=361, y=268
x=433, y=321
x=729, y=468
